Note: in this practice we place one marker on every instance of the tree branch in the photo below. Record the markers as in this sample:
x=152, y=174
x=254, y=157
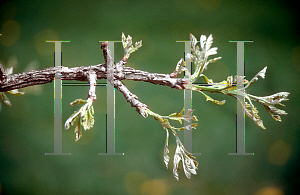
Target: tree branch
x=38, y=77
x=131, y=98
x=115, y=73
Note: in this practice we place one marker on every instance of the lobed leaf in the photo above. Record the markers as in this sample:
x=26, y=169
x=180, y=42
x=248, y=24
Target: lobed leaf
x=202, y=42
x=253, y=113
x=189, y=165
x=193, y=42
x=84, y=117
x=209, y=43
x=189, y=127
x=128, y=47
x=180, y=67
x=208, y=98
x=166, y=150
x=255, y=78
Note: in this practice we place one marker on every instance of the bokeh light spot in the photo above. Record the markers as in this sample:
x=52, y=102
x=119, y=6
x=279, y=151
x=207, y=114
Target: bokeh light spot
x=279, y=153
x=133, y=182
x=10, y=31
x=41, y=46
x=269, y=191
x=12, y=61
x=155, y=187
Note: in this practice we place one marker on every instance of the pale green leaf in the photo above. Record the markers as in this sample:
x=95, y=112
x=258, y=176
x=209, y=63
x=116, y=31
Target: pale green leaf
x=166, y=150
x=78, y=101
x=9, y=71
x=259, y=74
x=5, y=99
x=177, y=114
x=15, y=92
x=208, y=98
x=214, y=60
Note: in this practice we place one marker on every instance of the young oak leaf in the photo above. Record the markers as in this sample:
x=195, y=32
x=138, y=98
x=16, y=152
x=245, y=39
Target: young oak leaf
x=77, y=131
x=15, y=92
x=187, y=117
x=5, y=99
x=128, y=47
x=200, y=58
x=208, y=98
x=253, y=113
x=78, y=101
x=84, y=117
x=165, y=123
x=166, y=150
x=269, y=103
x=181, y=155
x=177, y=116
x=255, y=78
x=190, y=165
x=189, y=127
x=179, y=68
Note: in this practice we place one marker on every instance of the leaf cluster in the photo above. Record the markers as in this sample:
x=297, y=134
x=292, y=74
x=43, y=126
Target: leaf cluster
x=16, y=92
x=83, y=117
x=128, y=47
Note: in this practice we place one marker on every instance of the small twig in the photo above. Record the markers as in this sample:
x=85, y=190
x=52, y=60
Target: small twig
x=130, y=97
x=93, y=81
x=104, y=48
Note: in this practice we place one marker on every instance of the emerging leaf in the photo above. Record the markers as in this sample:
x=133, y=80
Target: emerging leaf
x=165, y=123
x=187, y=117
x=9, y=71
x=209, y=42
x=177, y=116
x=276, y=98
x=189, y=127
x=5, y=99
x=214, y=60
x=253, y=113
x=202, y=41
x=128, y=47
x=200, y=58
x=193, y=42
x=208, y=98
x=15, y=92
x=78, y=101
x=189, y=165
x=255, y=78
x=166, y=150
x=77, y=131
x=179, y=68
x=84, y=117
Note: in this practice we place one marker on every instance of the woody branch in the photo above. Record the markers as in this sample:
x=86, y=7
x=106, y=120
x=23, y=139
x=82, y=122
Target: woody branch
x=38, y=77
x=115, y=73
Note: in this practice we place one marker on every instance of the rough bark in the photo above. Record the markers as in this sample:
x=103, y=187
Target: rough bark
x=121, y=72
x=117, y=72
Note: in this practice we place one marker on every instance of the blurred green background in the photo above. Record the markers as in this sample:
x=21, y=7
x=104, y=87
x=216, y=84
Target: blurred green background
x=26, y=128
